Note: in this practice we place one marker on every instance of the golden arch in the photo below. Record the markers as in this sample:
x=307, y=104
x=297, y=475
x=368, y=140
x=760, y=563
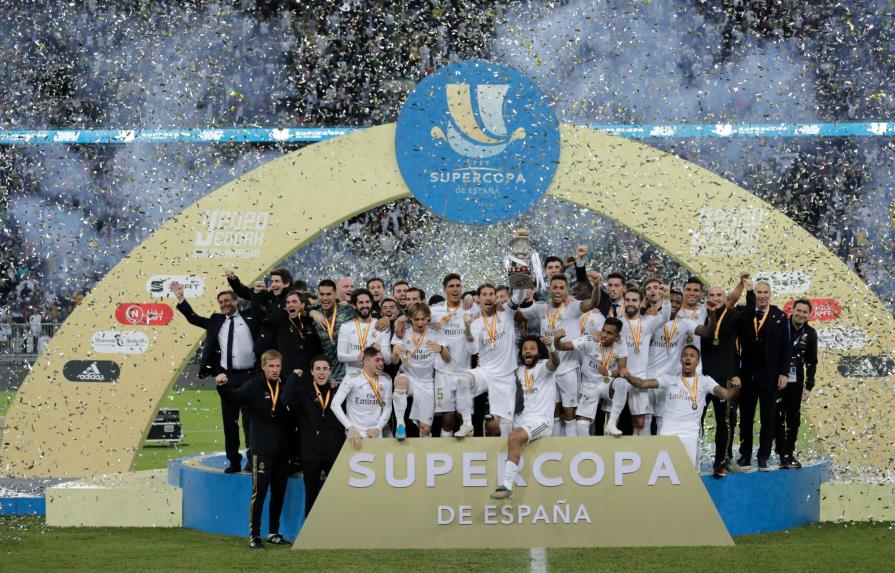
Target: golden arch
x=56, y=427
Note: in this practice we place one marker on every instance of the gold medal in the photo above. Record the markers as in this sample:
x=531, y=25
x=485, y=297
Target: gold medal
x=635, y=334
x=694, y=406
x=716, y=341
x=606, y=380
x=693, y=391
x=491, y=329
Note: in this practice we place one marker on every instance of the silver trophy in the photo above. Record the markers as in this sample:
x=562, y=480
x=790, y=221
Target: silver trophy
x=519, y=261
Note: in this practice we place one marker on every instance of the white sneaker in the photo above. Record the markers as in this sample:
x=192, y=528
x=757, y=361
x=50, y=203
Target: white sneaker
x=465, y=431
x=613, y=431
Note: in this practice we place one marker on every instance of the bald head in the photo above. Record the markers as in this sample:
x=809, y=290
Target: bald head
x=715, y=298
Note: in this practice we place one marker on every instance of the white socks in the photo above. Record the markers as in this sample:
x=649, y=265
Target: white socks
x=647, y=425
x=465, y=382
x=509, y=474
x=446, y=434
x=506, y=426
x=400, y=401
x=557, y=427
x=571, y=428
x=583, y=427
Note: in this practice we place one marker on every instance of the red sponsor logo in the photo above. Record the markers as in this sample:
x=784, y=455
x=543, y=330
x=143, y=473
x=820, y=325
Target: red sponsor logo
x=144, y=314
x=821, y=309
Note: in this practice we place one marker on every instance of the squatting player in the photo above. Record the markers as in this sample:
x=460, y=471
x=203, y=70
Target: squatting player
x=367, y=395
x=536, y=420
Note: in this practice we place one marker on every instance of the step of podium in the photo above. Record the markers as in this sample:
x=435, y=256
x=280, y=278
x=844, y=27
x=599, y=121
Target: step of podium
x=135, y=499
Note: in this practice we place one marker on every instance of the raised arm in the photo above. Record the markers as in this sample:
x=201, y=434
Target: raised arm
x=594, y=300
x=236, y=285
x=552, y=356
x=185, y=309
x=561, y=344
x=736, y=292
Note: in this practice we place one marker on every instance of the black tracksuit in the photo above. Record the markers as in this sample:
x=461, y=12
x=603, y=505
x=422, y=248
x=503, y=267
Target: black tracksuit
x=721, y=362
x=789, y=400
x=322, y=435
x=765, y=357
x=270, y=446
x=269, y=303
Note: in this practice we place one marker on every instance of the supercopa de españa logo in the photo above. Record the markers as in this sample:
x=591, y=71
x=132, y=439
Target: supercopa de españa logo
x=477, y=143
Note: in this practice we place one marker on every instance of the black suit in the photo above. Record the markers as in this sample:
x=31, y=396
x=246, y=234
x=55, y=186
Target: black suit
x=210, y=365
x=322, y=435
x=268, y=304
x=765, y=356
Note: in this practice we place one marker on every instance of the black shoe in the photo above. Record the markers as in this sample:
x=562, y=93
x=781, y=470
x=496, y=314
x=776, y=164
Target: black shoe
x=248, y=468
x=232, y=468
x=255, y=543
x=794, y=464
x=741, y=465
x=295, y=468
x=277, y=539
x=719, y=471
x=763, y=466
x=785, y=463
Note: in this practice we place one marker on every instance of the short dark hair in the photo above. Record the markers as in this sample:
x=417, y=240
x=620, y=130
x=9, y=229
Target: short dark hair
x=301, y=296
x=698, y=353
x=552, y=259
x=693, y=281
x=228, y=292
x=360, y=292
x=419, y=290
x=675, y=291
x=804, y=301
x=613, y=321
x=399, y=283
x=373, y=280
x=651, y=280
x=502, y=287
x=559, y=277
x=615, y=275
x=327, y=283
x=449, y=277
x=435, y=299
x=371, y=351
x=300, y=285
x=542, y=349
x=386, y=299
x=483, y=286
x=284, y=275
x=635, y=290
x=321, y=358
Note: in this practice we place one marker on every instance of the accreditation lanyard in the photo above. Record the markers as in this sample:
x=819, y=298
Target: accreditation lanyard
x=669, y=335
x=323, y=403
x=635, y=334
x=551, y=320
x=274, y=395
x=362, y=334
x=800, y=332
x=692, y=390
x=374, y=385
x=529, y=380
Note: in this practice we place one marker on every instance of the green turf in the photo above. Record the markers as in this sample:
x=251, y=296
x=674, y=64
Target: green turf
x=26, y=544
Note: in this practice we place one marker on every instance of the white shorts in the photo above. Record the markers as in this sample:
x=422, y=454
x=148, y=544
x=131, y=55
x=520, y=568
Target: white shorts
x=567, y=388
x=534, y=426
x=423, y=391
x=445, y=391
x=689, y=438
x=657, y=401
x=589, y=394
x=501, y=391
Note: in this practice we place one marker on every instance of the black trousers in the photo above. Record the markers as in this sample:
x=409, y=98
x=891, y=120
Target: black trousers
x=313, y=480
x=268, y=472
x=725, y=421
x=789, y=417
x=764, y=396
x=230, y=417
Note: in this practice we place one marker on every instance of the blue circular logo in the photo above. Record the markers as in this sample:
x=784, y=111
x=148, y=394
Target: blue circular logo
x=477, y=143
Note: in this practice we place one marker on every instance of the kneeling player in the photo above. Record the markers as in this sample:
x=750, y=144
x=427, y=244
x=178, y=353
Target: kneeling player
x=685, y=398
x=536, y=419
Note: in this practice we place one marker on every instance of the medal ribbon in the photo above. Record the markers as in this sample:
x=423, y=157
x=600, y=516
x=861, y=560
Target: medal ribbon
x=606, y=360
x=583, y=323
x=330, y=325
x=694, y=314
x=449, y=317
x=491, y=328
x=273, y=395
x=720, y=320
x=416, y=343
x=362, y=337
x=374, y=385
x=529, y=380
x=635, y=333
x=669, y=336
x=759, y=325
x=691, y=390
x=551, y=320
x=323, y=403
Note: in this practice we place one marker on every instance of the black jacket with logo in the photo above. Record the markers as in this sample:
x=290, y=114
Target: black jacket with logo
x=804, y=354
x=322, y=435
x=271, y=429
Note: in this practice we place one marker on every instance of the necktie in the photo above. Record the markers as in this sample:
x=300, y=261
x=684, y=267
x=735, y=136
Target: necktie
x=615, y=309
x=230, y=344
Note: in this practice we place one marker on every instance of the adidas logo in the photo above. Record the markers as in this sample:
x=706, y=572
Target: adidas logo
x=91, y=373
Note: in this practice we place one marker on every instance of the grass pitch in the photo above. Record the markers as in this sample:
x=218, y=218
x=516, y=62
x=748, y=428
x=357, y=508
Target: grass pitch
x=27, y=544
